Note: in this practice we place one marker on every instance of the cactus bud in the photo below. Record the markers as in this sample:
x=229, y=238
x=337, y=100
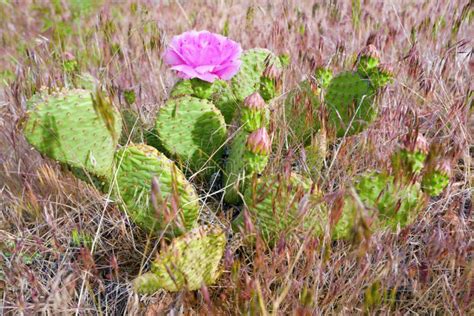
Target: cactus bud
x=420, y=144
x=259, y=142
x=272, y=72
x=254, y=112
x=370, y=51
x=254, y=101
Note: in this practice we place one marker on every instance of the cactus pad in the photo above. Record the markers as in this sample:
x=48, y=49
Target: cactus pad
x=277, y=206
x=350, y=103
x=301, y=112
x=136, y=165
x=218, y=92
x=243, y=162
x=247, y=80
x=434, y=182
x=68, y=127
x=189, y=262
x=390, y=202
x=192, y=130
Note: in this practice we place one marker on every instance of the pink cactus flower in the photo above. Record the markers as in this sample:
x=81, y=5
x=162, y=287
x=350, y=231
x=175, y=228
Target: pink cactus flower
x=203, y=55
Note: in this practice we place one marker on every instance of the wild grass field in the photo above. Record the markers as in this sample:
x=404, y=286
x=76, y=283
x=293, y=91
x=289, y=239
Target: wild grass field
x=69, y=248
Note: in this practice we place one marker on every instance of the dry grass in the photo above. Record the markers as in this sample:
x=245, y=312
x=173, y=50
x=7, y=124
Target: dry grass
x=67, y=249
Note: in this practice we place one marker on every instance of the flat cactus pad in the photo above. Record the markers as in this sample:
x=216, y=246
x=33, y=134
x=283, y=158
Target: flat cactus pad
x=193, y=131
x=247, y=80
x=136, y=165
x=65, y=126
x=350, y=103
x=189, y=262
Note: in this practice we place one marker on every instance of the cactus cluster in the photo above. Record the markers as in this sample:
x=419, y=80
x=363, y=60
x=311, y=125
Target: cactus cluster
x=203, y=120
x=394, y=197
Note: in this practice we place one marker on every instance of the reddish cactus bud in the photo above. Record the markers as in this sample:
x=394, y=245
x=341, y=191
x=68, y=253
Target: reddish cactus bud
x=259, y=142
x=255, y=102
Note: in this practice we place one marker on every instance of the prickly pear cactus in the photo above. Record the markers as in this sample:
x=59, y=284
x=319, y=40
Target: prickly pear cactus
x=392, y=204
x=436, y=179
x=75, y=128
x=280, y=206
x=247, y=80
x=177, y=203
x=249, y=155
x=189, y=262
x=192, y=130
x=396, y=203
x=350, y=103
x=218, y=92
x=410, y=158
x=301, y=112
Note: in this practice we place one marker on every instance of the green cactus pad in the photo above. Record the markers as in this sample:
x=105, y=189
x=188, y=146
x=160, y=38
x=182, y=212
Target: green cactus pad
x=390, y=202
x=189, y=262
x=219, y=93
x=408, y=162
x=396, y=203
x=350, y=103
x=192, y=130
x=301, y=112
x=241, y=165
x=434, y=182
x=316, y=154
x=277, y=207
x=65, y=126
x=247, y=80
x=235, y=167
x=136, y=165
x=323, y=77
